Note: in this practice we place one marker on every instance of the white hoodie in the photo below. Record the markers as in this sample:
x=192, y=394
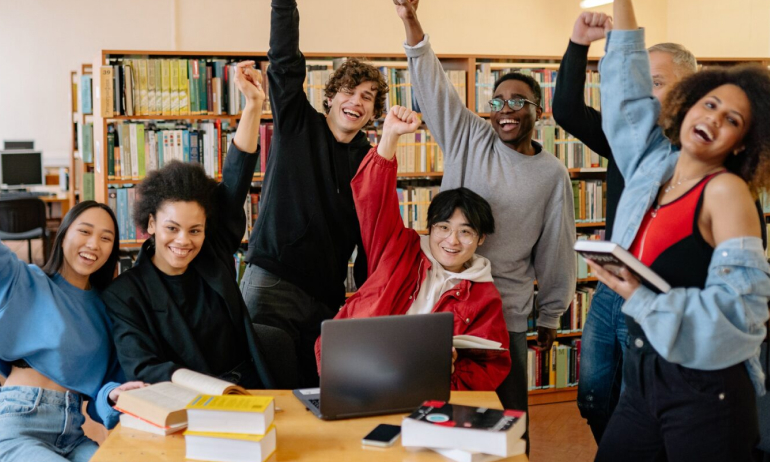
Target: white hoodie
x=439, y=280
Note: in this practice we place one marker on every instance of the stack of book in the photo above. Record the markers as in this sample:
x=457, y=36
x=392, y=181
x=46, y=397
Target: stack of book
x=465, y=433
x=230, y=428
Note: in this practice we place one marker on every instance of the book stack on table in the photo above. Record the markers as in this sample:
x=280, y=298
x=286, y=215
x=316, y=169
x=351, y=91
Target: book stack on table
x=465, y=433
x=230, y=428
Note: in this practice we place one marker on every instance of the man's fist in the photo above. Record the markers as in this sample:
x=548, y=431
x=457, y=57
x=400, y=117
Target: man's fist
x=590, y=27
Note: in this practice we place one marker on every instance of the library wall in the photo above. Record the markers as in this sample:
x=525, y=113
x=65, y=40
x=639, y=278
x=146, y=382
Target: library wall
x=721, y=29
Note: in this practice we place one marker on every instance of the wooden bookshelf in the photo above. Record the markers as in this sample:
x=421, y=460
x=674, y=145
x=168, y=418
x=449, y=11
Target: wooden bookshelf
x=552, y=395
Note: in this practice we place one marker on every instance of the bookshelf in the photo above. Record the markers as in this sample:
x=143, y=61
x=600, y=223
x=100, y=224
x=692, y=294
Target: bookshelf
x=426, y=171
x=78, y=168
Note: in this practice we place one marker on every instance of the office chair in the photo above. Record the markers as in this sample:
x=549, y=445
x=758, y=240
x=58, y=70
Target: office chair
x=24, y=219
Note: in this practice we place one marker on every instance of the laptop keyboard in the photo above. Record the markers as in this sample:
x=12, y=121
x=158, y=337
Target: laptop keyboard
x=315, y=402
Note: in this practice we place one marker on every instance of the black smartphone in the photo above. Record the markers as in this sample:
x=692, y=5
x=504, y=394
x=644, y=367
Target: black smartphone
x=383, y=435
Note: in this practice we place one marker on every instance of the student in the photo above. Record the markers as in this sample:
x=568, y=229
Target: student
x=528, y=188
x=56, y=349
x=179, y=306
x=604, y=335
x=691, y=367
x=413, y=274
x=307, y=227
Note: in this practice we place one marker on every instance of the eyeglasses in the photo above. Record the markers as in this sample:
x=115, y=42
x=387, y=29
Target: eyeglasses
x=497, y=104
x=464, y=235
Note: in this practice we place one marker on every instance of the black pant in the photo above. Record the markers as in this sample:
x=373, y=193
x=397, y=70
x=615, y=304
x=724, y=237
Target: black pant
x=670, y=412
x=513, y=392
x=279, y=303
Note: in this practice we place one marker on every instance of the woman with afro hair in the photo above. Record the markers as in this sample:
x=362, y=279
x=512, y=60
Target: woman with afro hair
x=692, y=171
x=180, y=305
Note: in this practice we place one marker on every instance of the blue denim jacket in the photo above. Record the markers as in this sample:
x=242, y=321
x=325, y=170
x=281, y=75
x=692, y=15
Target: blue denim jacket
x=709, y=329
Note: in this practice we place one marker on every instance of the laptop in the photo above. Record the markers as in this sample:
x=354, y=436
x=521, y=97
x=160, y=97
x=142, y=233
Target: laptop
x=381, y=365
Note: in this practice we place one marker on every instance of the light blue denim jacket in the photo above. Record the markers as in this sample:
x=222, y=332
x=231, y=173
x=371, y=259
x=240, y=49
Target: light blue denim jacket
x=709, y=329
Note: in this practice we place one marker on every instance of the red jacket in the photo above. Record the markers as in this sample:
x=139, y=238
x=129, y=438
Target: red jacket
x=397, y=268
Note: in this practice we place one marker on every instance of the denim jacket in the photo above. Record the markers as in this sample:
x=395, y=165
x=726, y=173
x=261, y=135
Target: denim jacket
x=711, y=328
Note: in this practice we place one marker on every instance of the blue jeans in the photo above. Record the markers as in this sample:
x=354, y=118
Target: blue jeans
x=276, y=302
x=670, y=412
x=43, y=426
x=604, y=342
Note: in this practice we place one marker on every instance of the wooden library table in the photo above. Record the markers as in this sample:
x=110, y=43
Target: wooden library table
x=301, y=436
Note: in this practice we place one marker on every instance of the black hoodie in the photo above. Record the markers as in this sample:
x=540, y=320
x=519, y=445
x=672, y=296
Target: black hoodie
x=307, y=226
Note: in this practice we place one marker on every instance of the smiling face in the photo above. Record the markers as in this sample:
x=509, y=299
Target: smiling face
x=715, y=126
x=351, y=109
x=449, y=251
x=515, y=128
x=87, y=246
x=179, y=230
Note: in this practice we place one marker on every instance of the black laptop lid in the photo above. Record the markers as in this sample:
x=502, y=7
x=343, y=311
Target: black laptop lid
x=385, y=364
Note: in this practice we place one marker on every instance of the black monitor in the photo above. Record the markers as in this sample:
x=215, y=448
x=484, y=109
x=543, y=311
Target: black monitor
x=21, y=168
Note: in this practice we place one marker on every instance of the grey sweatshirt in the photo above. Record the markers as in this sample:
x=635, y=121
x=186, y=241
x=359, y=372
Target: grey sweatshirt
x=531, y=198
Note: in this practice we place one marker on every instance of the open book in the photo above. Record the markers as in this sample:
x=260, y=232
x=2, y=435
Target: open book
x=612, y=257
x=470, y=345
x=163, y=404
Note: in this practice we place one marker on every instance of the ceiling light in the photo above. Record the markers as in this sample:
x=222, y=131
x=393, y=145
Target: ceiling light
x=593, y=3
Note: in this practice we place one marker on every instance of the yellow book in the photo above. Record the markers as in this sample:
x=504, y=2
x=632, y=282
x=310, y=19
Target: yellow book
x=184, y=88
x=143, y=101
x=106, y=96
x=173, y=85
x=229, y=447
x=231, y=414
x=152, y=105
x=165, y=89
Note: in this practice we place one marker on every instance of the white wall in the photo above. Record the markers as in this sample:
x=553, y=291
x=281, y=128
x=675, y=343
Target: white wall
x=44, y=39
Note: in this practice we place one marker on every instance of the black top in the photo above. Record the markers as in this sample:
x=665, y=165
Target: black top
x=584, y=122
x=201, y=307
x=307, y=226
x=151, y=330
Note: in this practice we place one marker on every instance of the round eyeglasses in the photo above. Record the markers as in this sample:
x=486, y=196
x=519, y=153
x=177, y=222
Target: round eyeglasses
x=464, y=235
x=497, y=104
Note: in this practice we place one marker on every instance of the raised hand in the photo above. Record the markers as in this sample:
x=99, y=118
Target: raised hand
x=399, y=121
x=249, y=82
x=406, y=9
x=590, y=27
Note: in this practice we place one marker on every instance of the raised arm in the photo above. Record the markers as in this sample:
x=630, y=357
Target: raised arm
x=629, y=110
x=374, y=192
x=452, y=124
x=286, y=72
x=569, y=108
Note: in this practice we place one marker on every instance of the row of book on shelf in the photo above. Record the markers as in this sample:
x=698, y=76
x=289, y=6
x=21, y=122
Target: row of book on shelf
x=558, y=367
x=169, y=87
x=570, y=150
x=583, y=271
x=134, y=149
x=401, y=92
x=590, y=200
x=486, y=77
x=574, y=317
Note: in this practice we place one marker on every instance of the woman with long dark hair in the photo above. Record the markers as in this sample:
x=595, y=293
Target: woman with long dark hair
x=56, y=347
x=692, y=170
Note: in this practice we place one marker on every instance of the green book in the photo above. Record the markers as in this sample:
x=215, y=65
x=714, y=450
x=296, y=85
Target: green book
x=194, y=108
x=141, y=166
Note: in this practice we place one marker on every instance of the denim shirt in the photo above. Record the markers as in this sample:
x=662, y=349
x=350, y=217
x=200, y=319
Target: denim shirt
x=712, y=328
